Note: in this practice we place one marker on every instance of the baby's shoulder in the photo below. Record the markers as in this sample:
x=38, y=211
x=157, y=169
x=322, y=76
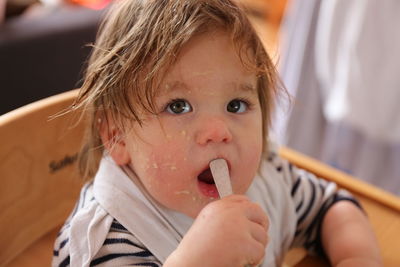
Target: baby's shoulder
x=273, y=164
x=111, y=243
x=120, y=241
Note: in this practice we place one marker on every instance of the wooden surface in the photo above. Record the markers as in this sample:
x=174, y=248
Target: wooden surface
x=38, y=254
x=39, y=182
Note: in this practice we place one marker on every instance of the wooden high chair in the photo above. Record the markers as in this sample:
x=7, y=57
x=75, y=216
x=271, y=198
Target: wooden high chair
x=40, y=184
x=39, y=179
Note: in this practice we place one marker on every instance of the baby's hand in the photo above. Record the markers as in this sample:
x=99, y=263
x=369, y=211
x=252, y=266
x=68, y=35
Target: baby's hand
x=228, y=232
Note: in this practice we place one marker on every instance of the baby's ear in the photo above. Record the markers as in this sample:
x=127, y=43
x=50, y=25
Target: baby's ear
x=113, y=140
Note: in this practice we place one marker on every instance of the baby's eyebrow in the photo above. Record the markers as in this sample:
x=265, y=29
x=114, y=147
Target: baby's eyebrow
x=173, y=86
x=179, y=86
x=247, y=87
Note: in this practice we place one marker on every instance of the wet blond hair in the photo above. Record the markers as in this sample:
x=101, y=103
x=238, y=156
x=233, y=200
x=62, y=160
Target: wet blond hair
x=138, y=41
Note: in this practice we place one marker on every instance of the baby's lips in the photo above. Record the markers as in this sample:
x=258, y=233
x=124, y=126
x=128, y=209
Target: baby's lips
x=207, y=165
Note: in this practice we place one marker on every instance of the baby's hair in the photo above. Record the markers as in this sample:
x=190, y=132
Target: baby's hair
x=137, y=43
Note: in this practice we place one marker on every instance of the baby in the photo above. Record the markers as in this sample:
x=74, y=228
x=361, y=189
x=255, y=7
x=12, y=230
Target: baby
x=172, y=85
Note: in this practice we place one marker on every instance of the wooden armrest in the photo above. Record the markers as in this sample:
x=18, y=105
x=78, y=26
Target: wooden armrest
x=39, y=253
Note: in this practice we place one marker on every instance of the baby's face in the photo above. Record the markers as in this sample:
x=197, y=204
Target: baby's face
x=209, y=109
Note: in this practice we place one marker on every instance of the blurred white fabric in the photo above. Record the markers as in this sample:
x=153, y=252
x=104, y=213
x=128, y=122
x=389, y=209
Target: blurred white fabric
x=340, y=60
x=358, y=61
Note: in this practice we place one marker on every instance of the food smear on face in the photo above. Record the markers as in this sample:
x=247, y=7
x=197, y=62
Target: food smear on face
x=183, y=192
x=173, y=168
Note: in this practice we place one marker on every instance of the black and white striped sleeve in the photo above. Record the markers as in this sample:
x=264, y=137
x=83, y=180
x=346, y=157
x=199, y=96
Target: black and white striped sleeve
x=312, y=197
x=121, y=248
x=61, y=257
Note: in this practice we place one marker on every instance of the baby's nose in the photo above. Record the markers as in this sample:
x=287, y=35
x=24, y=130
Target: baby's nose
x=213, y=130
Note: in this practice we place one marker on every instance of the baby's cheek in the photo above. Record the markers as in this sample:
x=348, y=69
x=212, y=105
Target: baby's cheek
x=167, y=160
x=168, y=175
x=254, y=153
x=253, y=159
x=244, y=176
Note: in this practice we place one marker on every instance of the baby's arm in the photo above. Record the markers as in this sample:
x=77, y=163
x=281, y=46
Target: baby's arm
x=328, y=219
x=228, y=232
x=347, y=237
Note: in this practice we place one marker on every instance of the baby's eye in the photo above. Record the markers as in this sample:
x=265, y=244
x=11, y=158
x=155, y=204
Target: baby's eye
x=178, y=106
x=237, y=106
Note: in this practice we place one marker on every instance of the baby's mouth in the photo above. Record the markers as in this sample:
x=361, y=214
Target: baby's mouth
x=207, y=185
x=206, y=177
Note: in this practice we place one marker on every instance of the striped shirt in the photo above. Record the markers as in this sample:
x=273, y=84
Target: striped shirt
x=295, y=201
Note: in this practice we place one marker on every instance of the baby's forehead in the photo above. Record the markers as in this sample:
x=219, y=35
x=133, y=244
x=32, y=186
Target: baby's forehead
x=178, y=86
x=210, y=60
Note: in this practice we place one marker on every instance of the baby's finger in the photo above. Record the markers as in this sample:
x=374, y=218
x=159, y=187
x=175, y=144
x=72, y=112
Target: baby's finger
x=256, y=214
x=259, y=233
x=255, y=253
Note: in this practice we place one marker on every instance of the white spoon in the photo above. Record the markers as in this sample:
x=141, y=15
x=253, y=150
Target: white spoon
x=220, y=172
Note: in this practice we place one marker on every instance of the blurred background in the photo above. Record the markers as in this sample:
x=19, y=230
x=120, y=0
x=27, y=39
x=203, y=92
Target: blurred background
x=338, y=60
x=44, y=44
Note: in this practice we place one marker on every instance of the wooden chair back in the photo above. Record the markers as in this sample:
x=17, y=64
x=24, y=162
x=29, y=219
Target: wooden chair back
x=39, y=179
